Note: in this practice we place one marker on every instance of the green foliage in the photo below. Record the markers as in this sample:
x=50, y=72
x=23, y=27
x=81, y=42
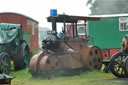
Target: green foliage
x=89, y=2
x=100, y=7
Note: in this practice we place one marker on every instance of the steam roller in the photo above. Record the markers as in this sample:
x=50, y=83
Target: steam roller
x=47, y=63
x=65, y=55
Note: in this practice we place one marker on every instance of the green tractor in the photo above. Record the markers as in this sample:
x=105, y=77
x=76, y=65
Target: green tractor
x=13, y=48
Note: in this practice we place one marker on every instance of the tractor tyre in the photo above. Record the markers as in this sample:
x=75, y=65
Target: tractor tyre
x=117, y=65
x=5, y=63
x=22, y=57
x=126, y=67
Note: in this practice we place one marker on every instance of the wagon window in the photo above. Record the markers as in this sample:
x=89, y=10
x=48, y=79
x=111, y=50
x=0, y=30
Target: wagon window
x=81, y=30
x=123, y=23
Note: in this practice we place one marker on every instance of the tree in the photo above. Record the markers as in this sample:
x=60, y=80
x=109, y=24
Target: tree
x=100, y=7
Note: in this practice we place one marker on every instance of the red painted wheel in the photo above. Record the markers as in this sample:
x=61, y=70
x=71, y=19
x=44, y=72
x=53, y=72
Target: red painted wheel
x=105, y=54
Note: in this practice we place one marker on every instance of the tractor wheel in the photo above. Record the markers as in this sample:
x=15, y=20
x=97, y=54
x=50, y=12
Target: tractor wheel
x=117, y=65
x=4, y=63
x=26, y=54
x=22, y=57
x=126, y=66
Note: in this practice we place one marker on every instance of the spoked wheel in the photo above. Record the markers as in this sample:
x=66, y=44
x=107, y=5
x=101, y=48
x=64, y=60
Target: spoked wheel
x=117, y=65
x=126, y=67
x=4, y=63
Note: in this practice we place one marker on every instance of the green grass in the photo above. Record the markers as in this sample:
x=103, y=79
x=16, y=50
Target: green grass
x=86, y=78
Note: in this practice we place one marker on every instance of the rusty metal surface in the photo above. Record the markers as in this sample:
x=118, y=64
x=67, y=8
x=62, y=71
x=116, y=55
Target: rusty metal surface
x=91, y=57
x=74, y=44
x=80, y=56
x=44, y=61
x=49, y=62
x=70, y=62
x=97, y=57
x=84, y=55
x=77, y=44
x=34, y=61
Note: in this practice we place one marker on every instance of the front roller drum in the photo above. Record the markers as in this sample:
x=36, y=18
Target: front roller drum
x=34, y=62
x=45, y=65
x=49, y=65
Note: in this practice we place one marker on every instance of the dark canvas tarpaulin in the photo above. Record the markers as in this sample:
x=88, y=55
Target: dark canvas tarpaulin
x=8, y=32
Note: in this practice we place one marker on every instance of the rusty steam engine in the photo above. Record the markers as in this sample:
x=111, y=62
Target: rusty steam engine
x=65, y=54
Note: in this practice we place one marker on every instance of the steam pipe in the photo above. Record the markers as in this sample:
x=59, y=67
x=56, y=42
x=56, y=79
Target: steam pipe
x=86, y=34
x=54, y=24
x=64, y=25
x=76, y=29
x=73, y=29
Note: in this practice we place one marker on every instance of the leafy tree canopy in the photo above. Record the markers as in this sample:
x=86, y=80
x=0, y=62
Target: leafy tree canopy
x=100, y=7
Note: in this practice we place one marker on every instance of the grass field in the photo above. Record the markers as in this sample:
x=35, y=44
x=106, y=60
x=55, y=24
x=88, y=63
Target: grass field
x=86, y=78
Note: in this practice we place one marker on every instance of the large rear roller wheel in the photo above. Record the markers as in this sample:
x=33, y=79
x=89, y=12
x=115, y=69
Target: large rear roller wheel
x=97, y=59
x=117, y=65
x=91, y=58
x=4, y=63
